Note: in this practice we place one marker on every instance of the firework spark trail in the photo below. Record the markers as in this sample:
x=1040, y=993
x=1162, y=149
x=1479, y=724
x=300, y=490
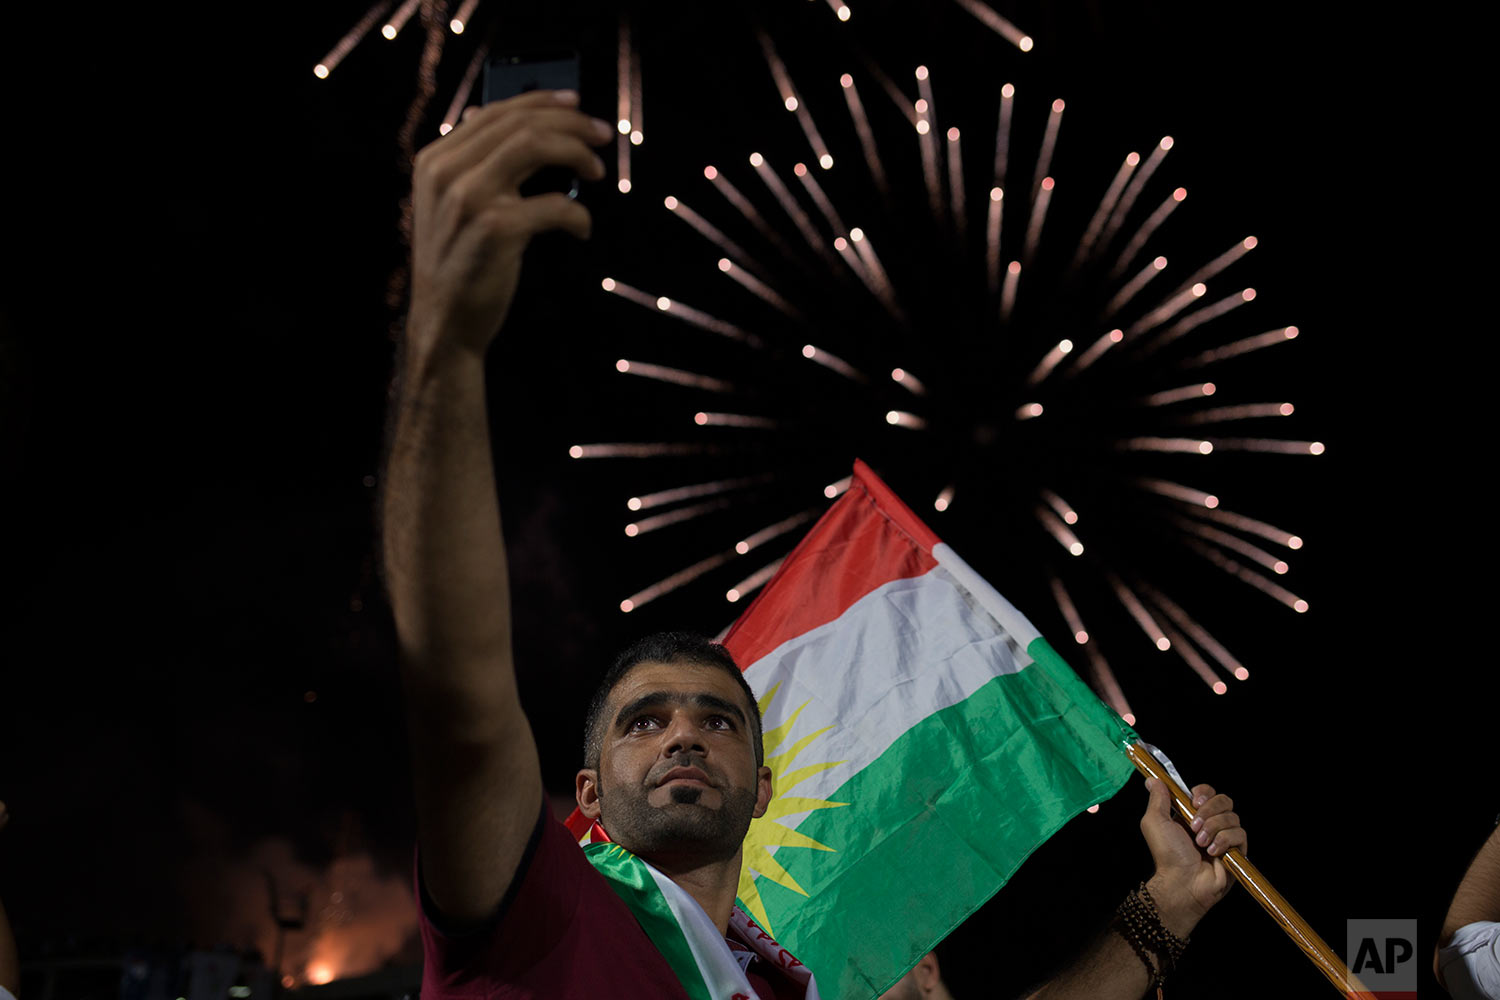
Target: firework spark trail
x=1108, y=686
x=779, y=75
x=815, y=192
x=398, y=21
x=1008, y=290
x=926, y=122
x=1028, y=410
x=688, y=314
x=641, y=449
x=1002, y=134
x=1219, y=263
x=1179, y=492
x=956, y=183
x=833, y=363
x=883, y=288
x=1190, y=656
x=1137, y=610
x=992, y=239
x=840, y=9
x=1228, y=541
x=1247, y=411
x=1248, y=524
x=1068, y=609
x=1273, y=446
x=837, y=487
x=1147, y=229
x=866, y=136
x=814, y=138
x=1096, y=349
x=900, y=418
x=742, y=205
x=851, y=257
x=902, y=102
x=1188, y=392
x=1106, y=207
x=1063, y=509
x=754, y=581
x=622, y=166
x=705, y=418
x=708, y=230
x=758, y=287
x=675, y=581
x=1049, y=361
x=771, y=532
x=1059, y=531
x=908, y=381
x=1196, y=319
x=1238, y=347
x=623, y=105
x=465, y=88
x=462, y=19
x=1233, y=568
x=1192, y=446
x=944, y=499
x=345, y=45
x=1133, y=287
x=789, y=204
x=637, y=105
x=1199, y=634
x=997, y=24
x=1038, y=218
x=646, y=524
x=793, y=102
x=1049, y=145
x=1171, y=307
x=662, y=373
x=1104, y=678
x=1133, y=191
x=646, y=501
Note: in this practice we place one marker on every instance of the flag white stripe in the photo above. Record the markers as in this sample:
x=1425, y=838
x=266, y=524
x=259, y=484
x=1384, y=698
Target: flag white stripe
x=910, y=647
x=716, y=963
x=1011, y=621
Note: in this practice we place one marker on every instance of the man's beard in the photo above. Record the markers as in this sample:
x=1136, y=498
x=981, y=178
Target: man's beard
x=682, y=827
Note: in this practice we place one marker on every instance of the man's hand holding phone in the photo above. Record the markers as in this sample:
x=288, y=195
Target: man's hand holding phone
x=471, y=222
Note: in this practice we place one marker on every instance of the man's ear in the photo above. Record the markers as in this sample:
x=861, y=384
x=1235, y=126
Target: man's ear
x=586, y=791
x=927, y=973
x=763, y=791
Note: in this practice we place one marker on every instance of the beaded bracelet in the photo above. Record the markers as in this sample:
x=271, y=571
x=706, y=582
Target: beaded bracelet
x=1138, y=921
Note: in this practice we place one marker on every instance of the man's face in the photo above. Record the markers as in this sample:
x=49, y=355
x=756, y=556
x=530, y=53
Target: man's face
x=677, y=777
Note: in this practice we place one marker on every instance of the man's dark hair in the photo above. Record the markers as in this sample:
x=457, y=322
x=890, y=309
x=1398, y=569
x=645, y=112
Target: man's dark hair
x=664, y=647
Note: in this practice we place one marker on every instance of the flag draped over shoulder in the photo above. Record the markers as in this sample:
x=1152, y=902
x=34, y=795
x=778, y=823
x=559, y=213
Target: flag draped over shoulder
x=924, y=740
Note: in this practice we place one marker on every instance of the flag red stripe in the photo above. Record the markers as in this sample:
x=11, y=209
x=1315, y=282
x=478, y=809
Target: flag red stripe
x=864, y=541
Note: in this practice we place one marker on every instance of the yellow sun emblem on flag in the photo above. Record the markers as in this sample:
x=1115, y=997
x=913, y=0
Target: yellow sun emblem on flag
x=766, y=833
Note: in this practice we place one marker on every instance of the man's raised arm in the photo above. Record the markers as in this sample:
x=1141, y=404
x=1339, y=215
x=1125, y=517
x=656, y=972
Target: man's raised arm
x=1190, y=878
x=478, y=782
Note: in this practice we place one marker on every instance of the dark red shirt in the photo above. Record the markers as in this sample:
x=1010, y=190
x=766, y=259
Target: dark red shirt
x=560, y=932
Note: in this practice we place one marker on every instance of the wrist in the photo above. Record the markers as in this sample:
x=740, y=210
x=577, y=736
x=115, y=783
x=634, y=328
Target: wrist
x=1180, y=911
x=433, y=348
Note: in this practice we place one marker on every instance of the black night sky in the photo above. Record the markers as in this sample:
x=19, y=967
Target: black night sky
x=198, y=676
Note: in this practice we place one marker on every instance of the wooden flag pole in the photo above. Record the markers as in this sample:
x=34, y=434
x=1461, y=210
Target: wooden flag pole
x=1324, y=957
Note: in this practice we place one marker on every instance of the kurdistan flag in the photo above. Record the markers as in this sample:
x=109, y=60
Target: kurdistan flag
x=923, y=737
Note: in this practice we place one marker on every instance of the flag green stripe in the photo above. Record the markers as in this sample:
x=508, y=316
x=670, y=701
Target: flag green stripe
x=945, y=816
x=628, y=877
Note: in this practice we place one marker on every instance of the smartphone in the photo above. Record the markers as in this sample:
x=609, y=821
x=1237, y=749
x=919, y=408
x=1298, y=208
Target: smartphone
x=509, y=75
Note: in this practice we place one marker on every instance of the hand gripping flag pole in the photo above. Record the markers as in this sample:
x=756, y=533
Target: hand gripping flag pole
x=1152, y=763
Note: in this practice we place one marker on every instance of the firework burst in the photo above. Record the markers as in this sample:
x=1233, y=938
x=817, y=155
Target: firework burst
x=1010, y=326
x=1007, y=320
